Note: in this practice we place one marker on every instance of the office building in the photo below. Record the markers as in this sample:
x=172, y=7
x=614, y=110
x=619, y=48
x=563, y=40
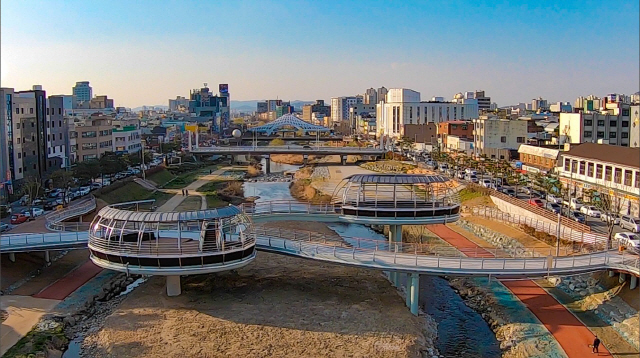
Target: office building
x=370, y=96
x=318, y=107
x=382, y=94
x=94, y=137
x=610, y=170
x=202, y=103
x=362, y=117
x=58, y=132
x=611, y=125
x=178, y=104
x=340, y=107
x=484, y=102
x=498, y=138
x=403, y=106
x=539, y=104
x=262, y=107
x=285, y=108
x=7, y=163
x=82, y=92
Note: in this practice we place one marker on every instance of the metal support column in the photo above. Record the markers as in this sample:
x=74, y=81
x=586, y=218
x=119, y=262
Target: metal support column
x=414, y=291
x=622, y=278
x=395, y=239
x=343, y=159
x=173, y=286
x=612, y=273
x=12, y=257
x=47, y=256
x=305, y=159
x=267, y=164
x=633, y=282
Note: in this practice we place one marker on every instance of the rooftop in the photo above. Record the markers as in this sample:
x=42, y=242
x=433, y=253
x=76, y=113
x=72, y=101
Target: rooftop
x=615, y=154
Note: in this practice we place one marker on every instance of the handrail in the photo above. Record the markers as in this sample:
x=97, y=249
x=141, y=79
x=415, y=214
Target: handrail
x=54, y=221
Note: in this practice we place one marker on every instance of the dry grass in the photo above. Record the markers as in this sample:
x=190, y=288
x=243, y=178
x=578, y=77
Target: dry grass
x=233, y=188
x=277, y=306
x=191, y=203
x=253, y=172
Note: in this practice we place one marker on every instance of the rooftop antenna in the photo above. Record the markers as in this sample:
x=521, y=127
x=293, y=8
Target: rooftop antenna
x=205, y=84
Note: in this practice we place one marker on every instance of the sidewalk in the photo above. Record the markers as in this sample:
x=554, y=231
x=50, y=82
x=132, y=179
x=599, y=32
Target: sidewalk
x=173, y=203
x=24, y=312
x=570, y=333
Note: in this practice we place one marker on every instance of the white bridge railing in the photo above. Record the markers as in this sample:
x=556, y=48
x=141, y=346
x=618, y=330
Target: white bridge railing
x=55, y=220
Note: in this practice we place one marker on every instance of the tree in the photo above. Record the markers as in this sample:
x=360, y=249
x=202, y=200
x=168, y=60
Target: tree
x=111, y=163
x=32, y=186
x=87, y=170
x=609, y=205
x=62, y=179
x=406, y=144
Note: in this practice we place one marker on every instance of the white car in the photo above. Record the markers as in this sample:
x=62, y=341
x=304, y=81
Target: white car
x=609, y=217
x=36, y=212
x=629, y=240
x=470, y=171
x=471, y=178
x=84, y=190
x=554, y=199
x=630, y=223
x=590, y=210
x=485, y=183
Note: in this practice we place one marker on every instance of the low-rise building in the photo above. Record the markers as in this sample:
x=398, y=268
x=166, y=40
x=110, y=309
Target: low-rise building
x=610, y=170
x=611, y=125
x=538, y=159
x=126, y=136
x=461, y=129
x=498, y=138
x=456, y=144
x=94, y=137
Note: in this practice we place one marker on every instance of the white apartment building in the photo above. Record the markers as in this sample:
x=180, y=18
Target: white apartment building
x=126, y=136
x=340, y=107
x=403, y=107
x=612, y=125
x=492, y=134
x=610, y=170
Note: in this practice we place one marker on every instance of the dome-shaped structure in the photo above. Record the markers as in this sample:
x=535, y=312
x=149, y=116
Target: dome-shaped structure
x=397, y=199
x=236, y=133
x=174, y=243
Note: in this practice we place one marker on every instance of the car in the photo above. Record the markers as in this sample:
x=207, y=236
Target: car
x=471, y=178
x=54, y=193
x=470, y=171
x=96, y=185
x=306, y=147
x=629, y=240
x=577, y=216
x=526, y=190
x=461, y=175
x=609, y=217
x=630, y=223
x=509, y=192
x=52, y=204
x=590, y=210
x=84, y=190
x=536, y=202
x=33, y=212
x=555, y=208
x=18, y=219
x=554, y=199
x=4, y=227
x=38, y=201
x=485, y=183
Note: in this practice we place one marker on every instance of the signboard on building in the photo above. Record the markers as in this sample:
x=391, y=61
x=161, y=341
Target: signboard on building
x=223, y=88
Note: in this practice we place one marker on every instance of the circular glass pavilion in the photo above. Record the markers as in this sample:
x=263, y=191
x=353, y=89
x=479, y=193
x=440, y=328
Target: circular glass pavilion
x=397, y=199
x=174, y=243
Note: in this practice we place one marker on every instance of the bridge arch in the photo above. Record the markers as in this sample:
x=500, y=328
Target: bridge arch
x=289, y=120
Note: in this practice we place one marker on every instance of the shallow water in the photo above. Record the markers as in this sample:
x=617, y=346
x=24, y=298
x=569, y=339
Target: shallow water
x=278, y=167
x=461, y=331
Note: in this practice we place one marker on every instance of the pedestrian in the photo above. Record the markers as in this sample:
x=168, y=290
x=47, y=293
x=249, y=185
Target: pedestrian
x=182, y=192
x=187, y=192
x=596, y=344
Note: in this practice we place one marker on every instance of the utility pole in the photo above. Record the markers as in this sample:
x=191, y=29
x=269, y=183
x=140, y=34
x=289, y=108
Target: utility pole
x=144, y=175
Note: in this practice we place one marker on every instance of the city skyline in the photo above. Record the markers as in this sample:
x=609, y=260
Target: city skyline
x=137, y=55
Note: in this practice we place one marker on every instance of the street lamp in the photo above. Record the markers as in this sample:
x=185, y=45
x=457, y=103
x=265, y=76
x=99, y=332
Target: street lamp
x=144, y=174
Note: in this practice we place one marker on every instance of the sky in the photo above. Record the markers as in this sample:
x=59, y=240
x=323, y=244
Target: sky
x=145, y=52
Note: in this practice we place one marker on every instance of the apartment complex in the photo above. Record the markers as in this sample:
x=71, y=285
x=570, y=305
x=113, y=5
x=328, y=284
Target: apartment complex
x=126, y=136
x=497, y=138
x=612, y=125
x=340, y=107
x=404, y=107
x=318, y=107
x=610, y=170
x=94, y=137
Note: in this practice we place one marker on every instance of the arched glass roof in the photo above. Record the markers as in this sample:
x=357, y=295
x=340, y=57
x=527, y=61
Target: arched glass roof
x=140, y=216
x=396, y=178
x=288, y=120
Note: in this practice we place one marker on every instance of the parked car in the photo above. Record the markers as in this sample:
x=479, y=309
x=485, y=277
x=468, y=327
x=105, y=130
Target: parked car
x=555, y=208
x=590, y=210
x=33, y=212
x=96, y=185
x=18, y=219
x=536, y=202
x=52, y=204
x=471, y=178
x=461, y=175
x=470, y=171
x=609, y=217
x=509, y=192
x=485, y=183
x=4, y=227
x=554, y=199
x=84, y=190
x=574, y=203
x=525, y=189
x=629, y=240
x=630, y=223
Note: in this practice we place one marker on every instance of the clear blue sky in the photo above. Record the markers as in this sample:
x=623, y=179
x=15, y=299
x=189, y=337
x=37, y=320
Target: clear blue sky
x=145, y=52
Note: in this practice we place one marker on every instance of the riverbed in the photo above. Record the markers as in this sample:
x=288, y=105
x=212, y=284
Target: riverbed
x=462, y=332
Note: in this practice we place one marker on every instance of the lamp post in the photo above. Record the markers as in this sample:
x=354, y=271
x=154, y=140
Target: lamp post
x=144, y=175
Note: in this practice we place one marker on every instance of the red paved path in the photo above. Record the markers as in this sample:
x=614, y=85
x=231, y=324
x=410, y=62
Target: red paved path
x=570, y=333
x=62, y=288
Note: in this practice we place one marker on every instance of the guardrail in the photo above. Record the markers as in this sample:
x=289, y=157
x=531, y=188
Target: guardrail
x=288, y=207
x=19, y=242
x=54, y=221
x=287, y=149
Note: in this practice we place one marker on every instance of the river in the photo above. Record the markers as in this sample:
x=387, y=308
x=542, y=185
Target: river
x=462, y=332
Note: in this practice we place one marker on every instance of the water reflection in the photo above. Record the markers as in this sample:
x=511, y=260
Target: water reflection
x=278, y=167
x=267, y=191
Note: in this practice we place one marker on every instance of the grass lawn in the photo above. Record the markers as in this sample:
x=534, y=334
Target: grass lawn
x=191, y=203
x=187, y=178
x=161, y=178
x=210, y=190
x=134, y=192
x=467, y=194
x=213, y=201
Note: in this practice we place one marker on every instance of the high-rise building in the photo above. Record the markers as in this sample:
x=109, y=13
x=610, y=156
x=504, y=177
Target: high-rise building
x=589, y=103
x=484, y=102
x=318, y=107
x=262, y=107
x=371, y=96
x=340, y=107
x=539, y=104
x=285, y=108
x=6, y=143
x=57, y=136
x=82, y=91
x=382, y=94
x=178, y=104
x=203, y=103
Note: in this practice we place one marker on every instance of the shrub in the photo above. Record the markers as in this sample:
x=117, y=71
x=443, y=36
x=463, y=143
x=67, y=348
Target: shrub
x=276, y=142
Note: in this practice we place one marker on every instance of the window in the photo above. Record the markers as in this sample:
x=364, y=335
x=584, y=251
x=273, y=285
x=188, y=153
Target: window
x=53, y=124
x=21, y=110
x=574, y=166
x=625, y=124
x=31, y=112
x=91, y=134
x=503, y=139
x=625, y=112
x=588, y=134
x=628, y=177
x=520, y=139
x=19, y=170
x=600, y=134
x=60, y=124
x=582, y=167
x=89, y=146
x=47, y=111
x=19, y=155
x=17, y=110
x=454, y=126
x=601, y=123
x=59, y=110
x=567, y=164
x=613, y=123
x=599, y=171
x=637, y=184
x=618, y=176
x=624, y=135
x=18, y=139
x=612, y=134
x=607, y=173
x=60, y=136
x=588, y=122
x=33, y=124
x=89, y=157
x=590, y=169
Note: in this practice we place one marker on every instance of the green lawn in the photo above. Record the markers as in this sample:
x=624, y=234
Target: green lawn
x=134, y=192
x=187, y=178
x=213, y=201
x=210, y=190
x=468, y=194
x=161, y=178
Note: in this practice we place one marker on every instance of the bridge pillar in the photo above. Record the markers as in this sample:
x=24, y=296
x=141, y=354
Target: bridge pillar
x=173, y=286
x=305, y=159
x=267, y=164
x=343, y=159
x=12, y=257
x=612, y=273
x=622, y=277
x=414, y=291
x=395, y=236
x=633, y=282
x=47, y=257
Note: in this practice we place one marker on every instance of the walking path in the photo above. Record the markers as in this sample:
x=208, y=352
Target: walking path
x=24, y=312
x=173, y=203
x=62, y=288
x=570, y=333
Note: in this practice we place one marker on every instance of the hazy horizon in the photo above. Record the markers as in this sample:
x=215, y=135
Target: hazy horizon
x=147, y=53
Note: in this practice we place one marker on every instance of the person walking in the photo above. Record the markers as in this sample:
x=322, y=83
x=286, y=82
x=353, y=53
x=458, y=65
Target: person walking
x=596, y=344
x=186, y=192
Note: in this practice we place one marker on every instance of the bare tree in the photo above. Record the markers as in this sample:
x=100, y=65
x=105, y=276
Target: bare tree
x=610, y=205
x=32, y=186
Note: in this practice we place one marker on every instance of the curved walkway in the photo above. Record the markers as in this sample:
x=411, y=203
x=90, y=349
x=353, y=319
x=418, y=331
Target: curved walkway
x=570, y=333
